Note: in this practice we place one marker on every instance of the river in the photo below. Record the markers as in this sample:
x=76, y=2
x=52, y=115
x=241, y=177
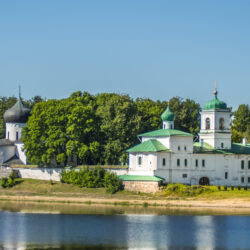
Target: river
x=27, y=226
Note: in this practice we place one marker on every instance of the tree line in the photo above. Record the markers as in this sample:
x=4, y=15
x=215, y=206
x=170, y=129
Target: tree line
x=97, y=129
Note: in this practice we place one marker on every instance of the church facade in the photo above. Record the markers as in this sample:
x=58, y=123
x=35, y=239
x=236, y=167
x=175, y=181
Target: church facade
x=11, y=147
x=173, y=156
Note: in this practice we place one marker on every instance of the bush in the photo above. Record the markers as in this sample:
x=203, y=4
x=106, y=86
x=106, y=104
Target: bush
x=232, y=188
x=225, y=188
x=8, y=182
x=92, y=178
x=219, y=188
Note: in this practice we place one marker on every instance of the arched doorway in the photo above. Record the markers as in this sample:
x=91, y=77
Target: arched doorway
x=204, y=181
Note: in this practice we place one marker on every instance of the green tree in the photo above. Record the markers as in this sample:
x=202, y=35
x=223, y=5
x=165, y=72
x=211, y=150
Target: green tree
x=241, y=123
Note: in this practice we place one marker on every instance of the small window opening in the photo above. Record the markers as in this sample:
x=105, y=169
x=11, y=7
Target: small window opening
x=179, y=148
x=226, y=175
x=242, y=164
x=163, y=162
x=184, y=175
x=16, y=136
x=196, y=163
x=242, y=179
x=139, y=160
x=207, y=123
x=8, y=135
x=221, y=123
x=185, y=148
x=178, y=162
x=222, y=145
x=248, y=179
x=203, y=163
x=186, y=162
x=248, y=164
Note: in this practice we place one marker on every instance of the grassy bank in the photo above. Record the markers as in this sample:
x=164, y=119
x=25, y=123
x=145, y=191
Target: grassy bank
x=173, y=195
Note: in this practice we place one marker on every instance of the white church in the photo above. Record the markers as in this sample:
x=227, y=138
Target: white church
x=11, y=148
x=173, y=155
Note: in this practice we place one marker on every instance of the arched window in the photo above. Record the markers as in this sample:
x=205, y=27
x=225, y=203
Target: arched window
x=139, y=160
x=16, y=136
x=207, y=123
x=222, y=124
x=185, y=162
x=178, y=162
x=163, y=162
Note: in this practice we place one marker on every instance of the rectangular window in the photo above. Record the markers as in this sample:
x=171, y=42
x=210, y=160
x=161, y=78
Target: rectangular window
x=163, y=162
x=8, y=135
x=248, y=164
x=222, y=145
x=16, y=136
x=139, y=160
x=203, y=163
x=178, y=162
x=242, y=164
x=184, y=175
x=242, y=179
x=186, y=162
x=196, y=163
x=248, y=180
x=226, y=175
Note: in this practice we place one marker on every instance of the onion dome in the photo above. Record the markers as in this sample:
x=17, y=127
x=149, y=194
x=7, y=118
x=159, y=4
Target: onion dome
x=18, y=113
x=167, y=115
x=215, y=103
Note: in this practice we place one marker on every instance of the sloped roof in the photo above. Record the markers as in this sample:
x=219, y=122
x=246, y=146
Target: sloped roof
x=140, y=178
x=165, y=133
x=148, y=146
x=6, y=142
x=14, y=160
x=237, y=148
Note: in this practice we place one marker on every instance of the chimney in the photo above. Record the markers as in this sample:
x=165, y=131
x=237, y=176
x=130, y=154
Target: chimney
x=244, y=141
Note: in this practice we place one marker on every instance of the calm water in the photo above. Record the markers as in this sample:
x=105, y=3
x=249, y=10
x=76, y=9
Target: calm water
x=21, y=230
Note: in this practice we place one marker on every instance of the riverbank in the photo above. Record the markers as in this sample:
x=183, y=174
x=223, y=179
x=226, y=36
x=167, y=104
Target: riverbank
x=28, y=190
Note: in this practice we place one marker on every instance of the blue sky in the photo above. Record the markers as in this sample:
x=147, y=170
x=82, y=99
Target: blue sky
x=156, y=49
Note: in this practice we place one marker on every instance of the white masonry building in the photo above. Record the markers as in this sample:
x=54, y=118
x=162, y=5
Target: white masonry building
x=11, y=148
x=174, y=156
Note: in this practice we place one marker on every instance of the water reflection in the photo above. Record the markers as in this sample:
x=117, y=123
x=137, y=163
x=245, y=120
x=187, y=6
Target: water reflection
x=21, y=230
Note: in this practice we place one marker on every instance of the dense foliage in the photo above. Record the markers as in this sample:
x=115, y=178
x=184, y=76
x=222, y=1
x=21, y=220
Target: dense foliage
x=97, y=129
x=8, y=181
x=92, y=178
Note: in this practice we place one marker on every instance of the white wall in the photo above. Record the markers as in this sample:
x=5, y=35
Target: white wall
x=20, y=153
x=12, y=128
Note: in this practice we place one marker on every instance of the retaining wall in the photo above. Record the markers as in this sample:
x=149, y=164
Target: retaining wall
x=141, y=186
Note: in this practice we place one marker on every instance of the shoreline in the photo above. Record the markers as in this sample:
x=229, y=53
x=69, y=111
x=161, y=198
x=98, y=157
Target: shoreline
x=234, y=203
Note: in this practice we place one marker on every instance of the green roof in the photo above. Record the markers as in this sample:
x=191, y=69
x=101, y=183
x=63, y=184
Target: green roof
x=215, y=104
x=140, y=178
x=167, y=115
x=165, y=132
x=148, y=146
x=237, y=148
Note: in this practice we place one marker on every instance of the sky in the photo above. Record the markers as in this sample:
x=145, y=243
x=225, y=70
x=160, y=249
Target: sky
x=147, y=49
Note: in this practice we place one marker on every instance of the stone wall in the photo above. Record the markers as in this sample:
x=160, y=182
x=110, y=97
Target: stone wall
x=141, y=186
x=4, y=172
x=52, y=173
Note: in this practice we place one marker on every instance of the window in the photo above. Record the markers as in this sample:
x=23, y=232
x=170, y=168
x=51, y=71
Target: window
x=248, y=164
x=222, y=145
x=163, y=162
x=185, y=162
x=16, y=136
x=8, y=135
x=248, y=179
x=242, y=164
x=221, y=123
x=184, y=176
x=139, y=160
x=178, y=162
x=179, y=148
x=196, y=163
x=185, y=148
x=203, y=163
x=207, y=123
x=242, y=179
x=226, y=175
x=171, y=126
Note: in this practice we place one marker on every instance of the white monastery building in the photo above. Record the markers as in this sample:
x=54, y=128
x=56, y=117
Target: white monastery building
x=173, y=156
x=11, y=148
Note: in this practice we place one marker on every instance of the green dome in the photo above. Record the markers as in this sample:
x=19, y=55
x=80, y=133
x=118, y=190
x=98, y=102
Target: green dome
x=215, y=104
x=167, y=115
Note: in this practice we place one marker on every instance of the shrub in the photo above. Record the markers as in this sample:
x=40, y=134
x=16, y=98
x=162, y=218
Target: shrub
x=92, y=178
x=225, y=188
x=219, y=188
x=245, y=188
x=232, y=188
x=8, y=182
